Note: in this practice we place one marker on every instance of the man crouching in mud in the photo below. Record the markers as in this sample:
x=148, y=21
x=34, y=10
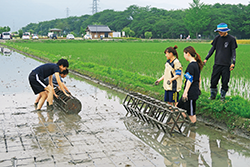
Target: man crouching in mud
x=38, y=84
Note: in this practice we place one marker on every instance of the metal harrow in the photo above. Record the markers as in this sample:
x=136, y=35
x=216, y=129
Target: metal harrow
x=157, y=113
x=69, y=104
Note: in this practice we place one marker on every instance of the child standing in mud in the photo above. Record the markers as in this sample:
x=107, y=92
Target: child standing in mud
x=192, y=83
x=172, y=77
x=39, y=86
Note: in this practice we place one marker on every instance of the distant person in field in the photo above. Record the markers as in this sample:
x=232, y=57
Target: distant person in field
x=172, y=77
x=37, y=81
x=192, y=83
x=224, y=62
x=62, y=75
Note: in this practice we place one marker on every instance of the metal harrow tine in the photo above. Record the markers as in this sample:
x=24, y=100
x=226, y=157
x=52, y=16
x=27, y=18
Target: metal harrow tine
x=165, y=117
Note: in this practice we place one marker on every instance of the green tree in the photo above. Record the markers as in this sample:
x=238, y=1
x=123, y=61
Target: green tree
x=20, y=33
x=73, y=33
x=4, y=29
x=31, y=31
x=131, y=33
x=82, y=31
x=126, y=30
x=246, y=20
x=148, y=34
x=197, y=18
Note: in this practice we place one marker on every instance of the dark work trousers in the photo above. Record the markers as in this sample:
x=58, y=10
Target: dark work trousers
x=218, y=71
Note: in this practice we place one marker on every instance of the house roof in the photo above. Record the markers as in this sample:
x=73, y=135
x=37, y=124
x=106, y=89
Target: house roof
x=55, y=30
x=98, y=28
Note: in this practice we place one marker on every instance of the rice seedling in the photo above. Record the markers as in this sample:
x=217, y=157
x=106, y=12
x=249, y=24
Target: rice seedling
x=237, y=87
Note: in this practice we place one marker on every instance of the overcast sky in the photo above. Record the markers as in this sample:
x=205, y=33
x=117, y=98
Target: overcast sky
x=18, y=13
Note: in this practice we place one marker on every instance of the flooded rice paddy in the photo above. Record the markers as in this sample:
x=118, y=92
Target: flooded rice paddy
x=100, y=135
x=237, y=87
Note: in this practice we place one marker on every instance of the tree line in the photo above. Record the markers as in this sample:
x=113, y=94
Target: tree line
x=199, y=20
x=4, y=29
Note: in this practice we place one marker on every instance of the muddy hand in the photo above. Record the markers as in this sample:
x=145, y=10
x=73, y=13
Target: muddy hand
x=156, y=82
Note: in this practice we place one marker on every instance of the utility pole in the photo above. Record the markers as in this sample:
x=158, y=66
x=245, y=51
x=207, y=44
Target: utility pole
x=94, y=7
x=67, y=12
x=13, y=25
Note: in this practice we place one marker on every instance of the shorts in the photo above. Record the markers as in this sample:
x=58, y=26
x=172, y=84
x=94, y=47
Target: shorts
x=171, y=96
x=189, y=105
x=37, y=83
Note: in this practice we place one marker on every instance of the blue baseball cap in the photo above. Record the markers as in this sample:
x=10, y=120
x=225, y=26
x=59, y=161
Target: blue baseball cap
x=222, y=27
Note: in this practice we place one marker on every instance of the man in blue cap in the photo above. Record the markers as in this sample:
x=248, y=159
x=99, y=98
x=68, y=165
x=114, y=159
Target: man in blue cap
x=224, y=62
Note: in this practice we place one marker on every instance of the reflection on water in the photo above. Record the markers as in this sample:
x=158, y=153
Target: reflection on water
x=202, y=147
x=45, y=122
x=48, y=121
x=5, y=51
x=53, y=129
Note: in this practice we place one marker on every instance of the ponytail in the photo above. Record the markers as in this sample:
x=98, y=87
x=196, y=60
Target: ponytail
x=198, y=60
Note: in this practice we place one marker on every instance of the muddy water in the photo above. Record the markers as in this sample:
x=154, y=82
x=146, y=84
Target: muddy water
x=100, y=135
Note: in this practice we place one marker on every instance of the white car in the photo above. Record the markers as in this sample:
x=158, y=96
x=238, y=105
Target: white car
x=6, y=35
x=35, y=36
x=87, y=36
x=70, y=36
x=26, y=36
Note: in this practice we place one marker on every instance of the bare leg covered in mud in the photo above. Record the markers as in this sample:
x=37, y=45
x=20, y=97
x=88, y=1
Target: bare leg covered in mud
x=49, y=89
x=37, y=99
x=47, y=94
x=43, y=96
x=191, y=117
x=173, y=103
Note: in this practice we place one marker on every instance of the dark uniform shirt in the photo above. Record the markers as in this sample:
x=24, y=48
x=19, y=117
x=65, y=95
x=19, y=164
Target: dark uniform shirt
x=46, y=70
x=224, y=47
x=193, y=70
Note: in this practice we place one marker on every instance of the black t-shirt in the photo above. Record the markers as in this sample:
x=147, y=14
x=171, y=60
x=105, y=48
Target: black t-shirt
x=46, y=70
x=224, y=47
x=193, y=70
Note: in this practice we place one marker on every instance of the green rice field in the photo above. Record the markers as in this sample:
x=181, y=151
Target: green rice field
x=145, y=58
x=135, y=66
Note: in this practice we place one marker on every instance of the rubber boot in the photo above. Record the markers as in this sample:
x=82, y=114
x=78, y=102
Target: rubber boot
x=213, y=93
x=222, y=95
